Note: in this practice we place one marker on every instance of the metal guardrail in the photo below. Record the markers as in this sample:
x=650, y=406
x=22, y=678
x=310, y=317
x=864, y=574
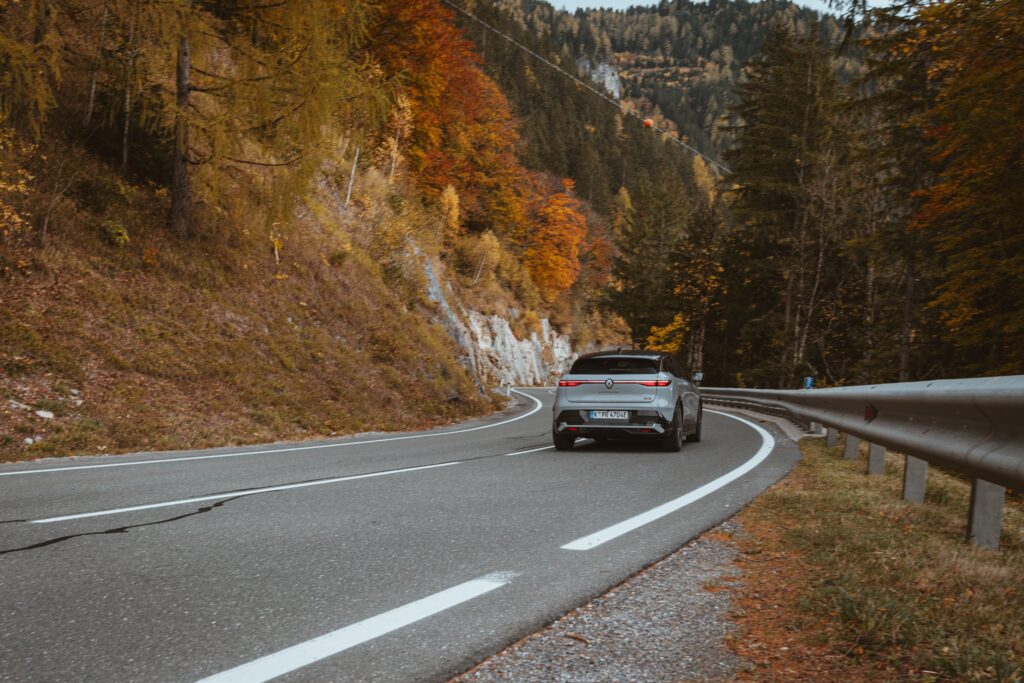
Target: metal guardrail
x=757, y=407
x=973, y=426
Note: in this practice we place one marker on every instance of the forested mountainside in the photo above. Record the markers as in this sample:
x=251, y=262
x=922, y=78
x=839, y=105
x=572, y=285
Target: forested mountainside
x=569, y=131
x=680, y=61
x=851, y=240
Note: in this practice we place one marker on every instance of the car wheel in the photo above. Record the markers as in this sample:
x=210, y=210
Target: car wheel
x=695, y=437
x=563, y=442
x=672, y=442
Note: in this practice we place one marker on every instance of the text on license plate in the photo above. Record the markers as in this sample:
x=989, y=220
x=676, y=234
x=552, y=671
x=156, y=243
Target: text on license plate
x=609, y=414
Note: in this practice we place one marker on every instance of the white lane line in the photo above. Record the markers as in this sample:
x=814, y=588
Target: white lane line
x=237, y=494
x=616, y=530
x=330, y=644
x=267, y=489
x=532, y=450
x=343, y=444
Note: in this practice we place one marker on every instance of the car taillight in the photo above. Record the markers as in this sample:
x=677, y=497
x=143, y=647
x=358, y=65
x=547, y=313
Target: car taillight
x=569, y=383
x=656, y=383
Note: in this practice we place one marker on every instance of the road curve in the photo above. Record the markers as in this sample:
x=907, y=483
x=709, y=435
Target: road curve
x=398, y=557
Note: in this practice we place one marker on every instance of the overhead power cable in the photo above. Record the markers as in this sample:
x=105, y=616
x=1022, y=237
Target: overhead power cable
x=668, y=135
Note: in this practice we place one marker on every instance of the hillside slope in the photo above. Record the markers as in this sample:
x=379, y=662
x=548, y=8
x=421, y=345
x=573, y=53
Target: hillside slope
x=133, y=340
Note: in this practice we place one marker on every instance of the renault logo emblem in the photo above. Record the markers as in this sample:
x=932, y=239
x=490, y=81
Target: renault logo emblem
x=609, y=383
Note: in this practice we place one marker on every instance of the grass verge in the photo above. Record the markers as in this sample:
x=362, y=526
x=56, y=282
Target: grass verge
x=843, y=580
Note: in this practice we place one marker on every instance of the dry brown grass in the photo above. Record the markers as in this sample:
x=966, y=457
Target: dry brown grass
x=214, y=342
x=842, y=580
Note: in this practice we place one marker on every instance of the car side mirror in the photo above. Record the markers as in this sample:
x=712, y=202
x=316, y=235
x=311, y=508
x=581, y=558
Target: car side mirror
x=698, y=376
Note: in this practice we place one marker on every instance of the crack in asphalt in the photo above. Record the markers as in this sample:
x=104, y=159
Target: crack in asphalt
x=242, y=493
x=120, y=529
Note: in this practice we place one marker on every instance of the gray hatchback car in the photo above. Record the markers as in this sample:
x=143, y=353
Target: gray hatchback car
x=626, y=394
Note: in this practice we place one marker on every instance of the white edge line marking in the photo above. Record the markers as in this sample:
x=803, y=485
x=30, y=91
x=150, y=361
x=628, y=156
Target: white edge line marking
x=532, y=450
x=330, y=644
x=267, y=489
x=604, y=535
x=342, y=444
x=237, y=494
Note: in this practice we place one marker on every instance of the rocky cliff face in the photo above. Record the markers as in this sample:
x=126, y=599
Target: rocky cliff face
x=491, y=349
x=503, y=359
x=603, y=74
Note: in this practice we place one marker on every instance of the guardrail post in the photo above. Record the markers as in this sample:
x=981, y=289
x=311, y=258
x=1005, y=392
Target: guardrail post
x=915, y=473
x=876, y=459
x=942, y=422
x=852, y=444
x=986, y=518
x=814, y=428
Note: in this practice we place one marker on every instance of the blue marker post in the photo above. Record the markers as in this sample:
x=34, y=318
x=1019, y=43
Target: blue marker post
x=814, y=427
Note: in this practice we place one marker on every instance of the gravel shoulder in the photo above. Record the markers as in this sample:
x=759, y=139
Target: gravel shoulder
x=669, y=622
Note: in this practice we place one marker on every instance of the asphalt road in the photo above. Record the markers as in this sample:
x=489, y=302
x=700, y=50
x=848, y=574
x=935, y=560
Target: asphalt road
x=397, y=557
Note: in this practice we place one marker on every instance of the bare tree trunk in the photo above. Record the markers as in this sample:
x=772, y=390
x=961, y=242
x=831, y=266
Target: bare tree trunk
x=870, y=279
x=908, y=306
x=394, y=157
x=181, y=218
x=801, y=303
x=352, y=177
x=794, y=300
x=58, y=191
x=697, y=361
x=129, y=77
x=87, y=120
x=44, y=17
x=784, y=356
x=812, y=302
x=825, y=193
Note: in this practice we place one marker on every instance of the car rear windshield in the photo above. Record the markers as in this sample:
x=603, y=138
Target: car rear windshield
x=614, y=366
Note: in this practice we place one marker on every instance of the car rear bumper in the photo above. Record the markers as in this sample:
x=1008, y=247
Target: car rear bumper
x=610, y=429
x=640, y=423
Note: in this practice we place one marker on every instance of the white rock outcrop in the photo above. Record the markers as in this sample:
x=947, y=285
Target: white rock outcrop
x=503, y=359
x=603, y=74
x=491, y=349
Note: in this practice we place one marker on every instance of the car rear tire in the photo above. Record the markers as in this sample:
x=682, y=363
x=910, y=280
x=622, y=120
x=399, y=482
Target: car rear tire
x=563, y=442
x=695, y=437
x=672, y=442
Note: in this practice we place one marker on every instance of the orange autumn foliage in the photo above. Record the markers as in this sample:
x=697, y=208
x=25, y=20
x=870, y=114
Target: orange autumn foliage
x=464, y=136
x=553, y=254
x=600, y=253
x=464, y=133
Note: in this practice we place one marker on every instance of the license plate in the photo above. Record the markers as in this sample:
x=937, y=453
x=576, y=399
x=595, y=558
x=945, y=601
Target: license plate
x=609, y=414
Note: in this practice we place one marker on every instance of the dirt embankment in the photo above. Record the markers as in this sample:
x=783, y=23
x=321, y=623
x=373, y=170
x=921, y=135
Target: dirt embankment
x=116, y=337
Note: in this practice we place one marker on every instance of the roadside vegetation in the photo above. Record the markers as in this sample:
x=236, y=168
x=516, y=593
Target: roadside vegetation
x=842, y=580
x=117, y=336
